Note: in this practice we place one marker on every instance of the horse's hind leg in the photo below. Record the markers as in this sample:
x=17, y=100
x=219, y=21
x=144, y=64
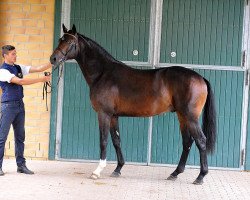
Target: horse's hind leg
x=200, y=141
x=115, y=135
x=191, y=130
x=187, y=142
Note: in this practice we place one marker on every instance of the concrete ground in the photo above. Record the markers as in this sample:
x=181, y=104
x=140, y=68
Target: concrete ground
x=70, y=180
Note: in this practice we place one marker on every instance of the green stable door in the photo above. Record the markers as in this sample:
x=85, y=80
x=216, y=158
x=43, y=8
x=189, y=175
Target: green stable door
x=204, y=33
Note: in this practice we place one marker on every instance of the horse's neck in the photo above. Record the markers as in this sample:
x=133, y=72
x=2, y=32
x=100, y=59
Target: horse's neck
x=91, y=67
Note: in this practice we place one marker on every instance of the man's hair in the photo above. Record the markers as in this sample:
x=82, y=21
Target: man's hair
x=6, y=49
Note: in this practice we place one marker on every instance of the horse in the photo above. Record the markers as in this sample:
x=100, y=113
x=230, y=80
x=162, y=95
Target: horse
x=118, y=90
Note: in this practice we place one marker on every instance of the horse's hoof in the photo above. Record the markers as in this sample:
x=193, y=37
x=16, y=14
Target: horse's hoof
x=94, y=176
x=198, y=182
x=172, y=178
x=115, y=174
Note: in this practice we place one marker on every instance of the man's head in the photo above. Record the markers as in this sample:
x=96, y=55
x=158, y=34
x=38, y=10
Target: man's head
x=9, y=54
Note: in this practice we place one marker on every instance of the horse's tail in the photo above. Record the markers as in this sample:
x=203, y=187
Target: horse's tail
x=209, y=119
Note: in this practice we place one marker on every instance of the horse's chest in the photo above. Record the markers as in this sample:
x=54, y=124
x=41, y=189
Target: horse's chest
x=102, y=99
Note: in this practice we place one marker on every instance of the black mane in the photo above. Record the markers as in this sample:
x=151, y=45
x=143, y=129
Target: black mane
x=100, y=49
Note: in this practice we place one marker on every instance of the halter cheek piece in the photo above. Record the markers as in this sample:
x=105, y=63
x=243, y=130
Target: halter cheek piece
x=70, y=47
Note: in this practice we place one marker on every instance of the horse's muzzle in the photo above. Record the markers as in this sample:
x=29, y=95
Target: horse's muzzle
x=55, y=59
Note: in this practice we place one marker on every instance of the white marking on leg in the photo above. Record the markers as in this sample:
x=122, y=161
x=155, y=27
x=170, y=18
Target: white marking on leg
x=117, y=133
x=101, y=166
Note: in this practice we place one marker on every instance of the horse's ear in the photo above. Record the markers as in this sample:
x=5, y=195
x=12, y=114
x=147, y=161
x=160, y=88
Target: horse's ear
x=74, y=29
x=65, y=30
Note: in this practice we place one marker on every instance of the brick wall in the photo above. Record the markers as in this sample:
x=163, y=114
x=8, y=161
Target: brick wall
x=29, y=25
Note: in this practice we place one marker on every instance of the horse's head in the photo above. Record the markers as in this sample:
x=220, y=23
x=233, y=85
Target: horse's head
x=67, y=48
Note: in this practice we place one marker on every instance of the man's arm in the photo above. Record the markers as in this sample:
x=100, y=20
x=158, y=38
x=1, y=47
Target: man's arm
x=29, y=81
x=40, y=68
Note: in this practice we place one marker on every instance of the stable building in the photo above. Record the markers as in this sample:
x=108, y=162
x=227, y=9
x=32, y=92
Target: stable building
x=210, y=37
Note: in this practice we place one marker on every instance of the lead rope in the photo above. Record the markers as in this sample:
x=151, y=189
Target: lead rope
x=47, y=85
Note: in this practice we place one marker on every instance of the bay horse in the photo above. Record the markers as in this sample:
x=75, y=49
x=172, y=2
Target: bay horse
x=119, y=90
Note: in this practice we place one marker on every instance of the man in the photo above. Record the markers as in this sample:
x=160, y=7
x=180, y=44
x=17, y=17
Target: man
x=12, y=106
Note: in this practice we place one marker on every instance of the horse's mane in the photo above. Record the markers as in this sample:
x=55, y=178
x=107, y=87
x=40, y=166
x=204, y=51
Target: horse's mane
x=100, y=49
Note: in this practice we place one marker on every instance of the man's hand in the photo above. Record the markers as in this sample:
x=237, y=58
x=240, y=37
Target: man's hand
x=47, y=78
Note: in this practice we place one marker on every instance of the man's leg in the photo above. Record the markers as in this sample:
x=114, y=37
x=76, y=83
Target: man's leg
x=19, y=133
x=6, y=118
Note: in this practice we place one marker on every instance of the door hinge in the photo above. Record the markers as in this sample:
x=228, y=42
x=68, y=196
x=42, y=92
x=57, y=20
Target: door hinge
x=242, y=157
x=247, y=78
x=243, y=61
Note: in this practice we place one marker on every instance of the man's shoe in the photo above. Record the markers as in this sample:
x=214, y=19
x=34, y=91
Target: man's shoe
x=24, y=169
x=1, y=172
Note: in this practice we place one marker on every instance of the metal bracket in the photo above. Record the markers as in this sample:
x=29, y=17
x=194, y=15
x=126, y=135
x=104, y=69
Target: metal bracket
x=242, y=157
x=247, y=78
x=243, y=58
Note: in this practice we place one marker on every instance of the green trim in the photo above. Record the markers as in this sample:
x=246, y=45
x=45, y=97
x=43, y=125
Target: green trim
x=57, y=30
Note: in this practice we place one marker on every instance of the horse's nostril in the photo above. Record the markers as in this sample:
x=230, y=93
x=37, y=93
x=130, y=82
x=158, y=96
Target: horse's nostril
x=53, y=59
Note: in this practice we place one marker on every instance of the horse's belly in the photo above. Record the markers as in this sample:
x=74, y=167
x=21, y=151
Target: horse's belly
x=144, y=108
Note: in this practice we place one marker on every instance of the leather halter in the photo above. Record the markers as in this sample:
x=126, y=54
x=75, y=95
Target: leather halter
x=75, y=43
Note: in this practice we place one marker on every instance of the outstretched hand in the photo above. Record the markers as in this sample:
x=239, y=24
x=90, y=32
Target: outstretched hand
x=47, y=78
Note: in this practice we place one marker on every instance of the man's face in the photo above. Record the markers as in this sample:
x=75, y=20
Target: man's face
x=10, y=57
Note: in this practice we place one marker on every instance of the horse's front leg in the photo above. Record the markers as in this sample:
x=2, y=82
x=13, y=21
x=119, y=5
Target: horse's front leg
x=115, y=135
x=104, y=126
